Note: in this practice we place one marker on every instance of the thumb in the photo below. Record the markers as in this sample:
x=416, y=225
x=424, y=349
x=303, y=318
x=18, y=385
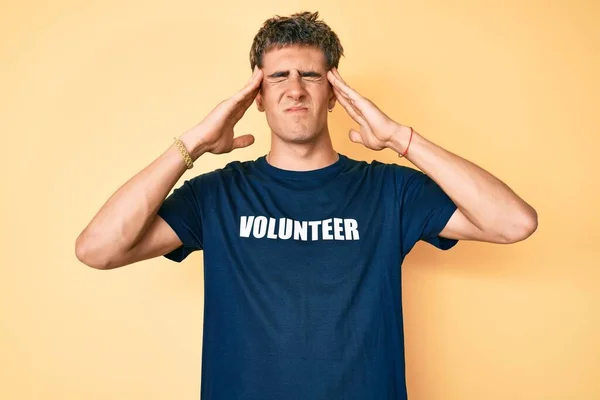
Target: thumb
x=242, y=141
x=355, y=136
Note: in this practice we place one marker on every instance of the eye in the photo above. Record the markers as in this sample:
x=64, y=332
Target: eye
x=277, y=79
x=306, y=78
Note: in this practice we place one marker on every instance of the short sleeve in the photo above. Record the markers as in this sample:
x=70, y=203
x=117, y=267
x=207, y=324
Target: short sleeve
x=424, y=209
x=182, y=210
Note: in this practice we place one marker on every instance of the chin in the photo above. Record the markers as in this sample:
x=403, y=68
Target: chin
x=299, y=135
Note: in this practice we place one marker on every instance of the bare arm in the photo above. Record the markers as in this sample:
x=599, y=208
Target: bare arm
x=130, y=212
x=488, y=210
x=127, y=229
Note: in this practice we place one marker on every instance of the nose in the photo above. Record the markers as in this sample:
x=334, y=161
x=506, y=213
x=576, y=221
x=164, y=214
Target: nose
x=295, y=89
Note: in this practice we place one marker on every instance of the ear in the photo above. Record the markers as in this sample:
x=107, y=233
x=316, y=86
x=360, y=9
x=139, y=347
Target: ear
x=331, y=101
x=259, y=103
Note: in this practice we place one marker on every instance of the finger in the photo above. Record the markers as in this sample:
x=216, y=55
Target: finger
x=254, y=83
x=242, y=141
x=251, y=88
x=353, y=112
x=336, y=73
x=348, y=106
x=254, y=72
x=353, y=104
x=257, y=77
x=355, y=136
x=239, y=109
x=339, y=84
x=248, y=99
x=238, y=105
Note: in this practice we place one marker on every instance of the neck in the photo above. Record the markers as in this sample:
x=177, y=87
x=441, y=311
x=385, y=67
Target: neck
x=302, y=156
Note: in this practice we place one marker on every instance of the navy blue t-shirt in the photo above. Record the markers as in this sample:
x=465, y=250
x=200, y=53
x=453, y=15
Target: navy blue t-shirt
x=302, y=275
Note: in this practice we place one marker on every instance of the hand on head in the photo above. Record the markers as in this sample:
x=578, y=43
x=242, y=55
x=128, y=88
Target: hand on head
x=215, y=134
x=375, y=127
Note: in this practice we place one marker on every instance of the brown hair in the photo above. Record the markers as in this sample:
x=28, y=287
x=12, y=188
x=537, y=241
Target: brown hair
x=298, y=29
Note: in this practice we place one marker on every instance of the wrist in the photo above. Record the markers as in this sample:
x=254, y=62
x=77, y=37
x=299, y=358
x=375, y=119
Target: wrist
x=401, y=138
x=193, y=143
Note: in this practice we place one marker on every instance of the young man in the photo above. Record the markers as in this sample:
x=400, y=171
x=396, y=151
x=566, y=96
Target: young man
x=302, y=247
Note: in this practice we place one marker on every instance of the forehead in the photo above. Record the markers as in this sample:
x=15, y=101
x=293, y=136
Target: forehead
x=294, y=57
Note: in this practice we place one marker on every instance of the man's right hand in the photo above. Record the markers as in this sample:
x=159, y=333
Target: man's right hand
x=215, y=133
x=127, y=228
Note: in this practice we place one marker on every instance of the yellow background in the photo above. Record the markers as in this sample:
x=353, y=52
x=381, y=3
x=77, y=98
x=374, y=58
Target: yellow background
x=91, y=92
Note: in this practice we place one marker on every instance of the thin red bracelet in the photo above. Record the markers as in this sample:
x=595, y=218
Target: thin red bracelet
x=409, y=140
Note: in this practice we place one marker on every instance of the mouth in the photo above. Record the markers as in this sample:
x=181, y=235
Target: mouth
x=296, y=109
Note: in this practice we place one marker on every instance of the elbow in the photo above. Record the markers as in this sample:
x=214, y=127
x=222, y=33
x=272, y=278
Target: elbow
x=85, y=254
x=522, y=229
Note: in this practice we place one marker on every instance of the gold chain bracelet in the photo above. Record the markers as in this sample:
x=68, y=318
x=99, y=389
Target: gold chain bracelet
x=186, y=156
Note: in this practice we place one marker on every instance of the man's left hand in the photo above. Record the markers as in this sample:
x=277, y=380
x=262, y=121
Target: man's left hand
x=376, y=130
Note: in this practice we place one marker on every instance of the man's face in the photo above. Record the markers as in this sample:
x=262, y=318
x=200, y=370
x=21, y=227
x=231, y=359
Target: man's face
x=295, y=93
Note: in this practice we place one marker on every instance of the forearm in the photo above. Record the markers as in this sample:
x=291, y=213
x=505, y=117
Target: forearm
x=122, y=221
x=486, y=201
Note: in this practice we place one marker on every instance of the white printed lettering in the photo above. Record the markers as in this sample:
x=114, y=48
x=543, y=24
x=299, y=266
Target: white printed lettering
x=300, y=230
x=327, y=229
x=260, y=227
x=246, y=226
x=351, y=229
x=285, y=228
x=337, y=228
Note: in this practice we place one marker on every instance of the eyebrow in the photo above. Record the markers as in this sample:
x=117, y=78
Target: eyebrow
x=285, y=74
